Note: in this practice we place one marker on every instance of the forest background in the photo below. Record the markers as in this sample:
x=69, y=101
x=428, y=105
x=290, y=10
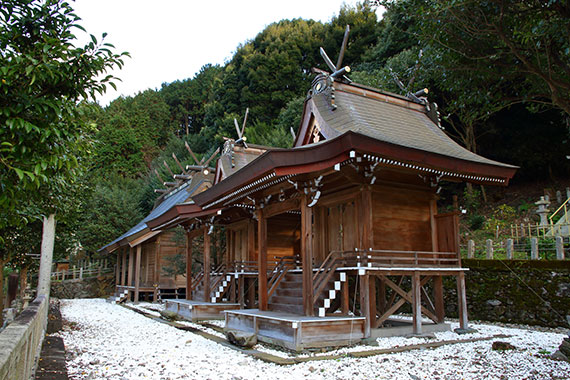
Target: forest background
x=499, y=71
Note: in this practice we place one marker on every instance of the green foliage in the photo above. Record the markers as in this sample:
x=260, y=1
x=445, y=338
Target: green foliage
x=43, y=77
x=475, y=221
x=107, y=212
x=502, y=217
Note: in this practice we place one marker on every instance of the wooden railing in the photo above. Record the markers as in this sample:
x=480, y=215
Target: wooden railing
x=378, y=258
x=80, y=273
x=279, y=272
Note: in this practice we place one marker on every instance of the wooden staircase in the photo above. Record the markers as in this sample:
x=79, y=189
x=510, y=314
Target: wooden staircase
x=288, y=297
x=119, y=296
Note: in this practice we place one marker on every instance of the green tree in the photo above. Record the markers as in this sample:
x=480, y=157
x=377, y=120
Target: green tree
x=42, y=134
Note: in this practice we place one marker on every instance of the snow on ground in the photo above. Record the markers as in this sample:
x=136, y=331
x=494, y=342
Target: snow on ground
x=107, y=341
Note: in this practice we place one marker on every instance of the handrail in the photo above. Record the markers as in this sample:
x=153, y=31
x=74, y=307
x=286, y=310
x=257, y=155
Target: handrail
x=283, y=266
x=563, y=205
x=335, y=259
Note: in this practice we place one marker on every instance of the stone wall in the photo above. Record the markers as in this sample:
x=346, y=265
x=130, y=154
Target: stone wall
x=514, y=291
x=92, y=287
x=20, y=342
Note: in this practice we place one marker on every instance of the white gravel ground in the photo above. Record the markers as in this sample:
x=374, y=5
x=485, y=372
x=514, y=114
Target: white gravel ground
x=106, y=341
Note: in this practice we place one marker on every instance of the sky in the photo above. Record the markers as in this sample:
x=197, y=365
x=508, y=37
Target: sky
x=171, y=40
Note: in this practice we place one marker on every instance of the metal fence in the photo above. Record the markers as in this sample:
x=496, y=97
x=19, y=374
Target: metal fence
x=520, y=249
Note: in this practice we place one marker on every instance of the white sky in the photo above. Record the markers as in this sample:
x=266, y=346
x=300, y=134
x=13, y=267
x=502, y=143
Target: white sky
x=173, y=39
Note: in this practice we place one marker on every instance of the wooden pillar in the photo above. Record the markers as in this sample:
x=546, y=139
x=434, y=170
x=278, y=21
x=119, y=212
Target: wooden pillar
x=417, y=303
x=438, y=298
x=138, y=272
x=345, y=293
x=262, y=260
x=206, y=265
x=189, y=240
x=251, y=292
x=118, y=269
x=307, y=256
x=433, y=225
x=131, y=273
x=462, y=301
x=372, y=297
x=124, y=267
x=381, y=296
x=365, y=302
x=366, y=219
x=251, y=241
x=241, y=291
x=229, y=256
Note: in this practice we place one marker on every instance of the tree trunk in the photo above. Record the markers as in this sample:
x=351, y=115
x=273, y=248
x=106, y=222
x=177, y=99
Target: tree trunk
x=2, y=262
x=48, y=238
x=23, y=281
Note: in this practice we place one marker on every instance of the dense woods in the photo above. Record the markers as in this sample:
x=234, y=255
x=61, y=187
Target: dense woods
x=501, y=82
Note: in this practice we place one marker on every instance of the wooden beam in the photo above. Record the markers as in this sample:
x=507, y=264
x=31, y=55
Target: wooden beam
x=206, y=277
x=381, y=296
x=189, y=241
x=438, y=298
x=307, y=256
x=417, y=303
x=262, y=260
x=138, y=272
x=281, y=207
x=195, y=233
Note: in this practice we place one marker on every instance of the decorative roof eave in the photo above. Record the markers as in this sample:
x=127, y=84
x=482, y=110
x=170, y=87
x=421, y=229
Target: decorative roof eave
x=179, y=215
x=275, y=166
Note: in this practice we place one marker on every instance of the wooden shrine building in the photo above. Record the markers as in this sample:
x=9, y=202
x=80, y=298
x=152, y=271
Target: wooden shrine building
x=344, y=228
x=142, y=254
x=215, y=289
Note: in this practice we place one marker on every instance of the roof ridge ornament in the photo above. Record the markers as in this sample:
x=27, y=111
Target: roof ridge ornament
x=323, y=82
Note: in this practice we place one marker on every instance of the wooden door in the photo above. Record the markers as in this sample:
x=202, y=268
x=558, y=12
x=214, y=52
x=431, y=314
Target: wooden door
x=447, y=226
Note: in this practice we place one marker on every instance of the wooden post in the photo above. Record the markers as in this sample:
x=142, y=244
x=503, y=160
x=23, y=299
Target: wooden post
x=381, y=296
x=344, y=300
x=138, y=273
x=470, y=249
x=510, y=246
x=262, y=260
x=372, y=299
x=130, y=274
x=307, y=256
x=438, y=298
x=124, y=267
x=206, y=265
x=365, y=302
x=118, y=269
x=533, y=248
x=189, y=240
x=241, y=293
x=417, y=303
x=559, y=248
x=366, y=219
x=462, y=301
x=489, y=248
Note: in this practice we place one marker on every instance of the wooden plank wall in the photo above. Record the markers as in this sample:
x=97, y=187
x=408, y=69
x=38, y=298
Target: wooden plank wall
x=401, y=219
x=168, y=247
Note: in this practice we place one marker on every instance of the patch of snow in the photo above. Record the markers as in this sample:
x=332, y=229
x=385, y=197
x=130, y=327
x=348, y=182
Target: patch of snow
x=107, y=341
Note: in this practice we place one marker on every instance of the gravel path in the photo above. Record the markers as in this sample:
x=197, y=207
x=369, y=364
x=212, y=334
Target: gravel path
x=106, y=341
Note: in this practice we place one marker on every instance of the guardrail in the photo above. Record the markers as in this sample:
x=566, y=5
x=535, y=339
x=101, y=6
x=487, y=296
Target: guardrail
x=21, y=341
